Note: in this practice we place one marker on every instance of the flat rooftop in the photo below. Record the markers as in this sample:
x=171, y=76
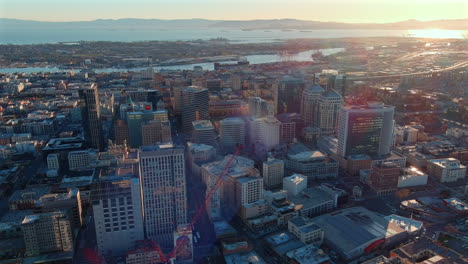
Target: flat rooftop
x=355, y=227
x=202, y=125
x=64, y=143
x=250, y=257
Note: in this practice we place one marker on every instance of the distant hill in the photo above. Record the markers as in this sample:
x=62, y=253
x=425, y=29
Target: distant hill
x=460, y=24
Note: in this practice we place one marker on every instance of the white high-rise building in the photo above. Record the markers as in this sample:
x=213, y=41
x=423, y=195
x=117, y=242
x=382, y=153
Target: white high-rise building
x=365, y=129
x=329, y=105
x=309, y=104
x=273, y=173
x=116, y=202
x=232, y=133
x=163, y=187
x=264, y=131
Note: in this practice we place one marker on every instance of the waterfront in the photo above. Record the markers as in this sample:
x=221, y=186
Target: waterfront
x=13, y=35
x=253, y=59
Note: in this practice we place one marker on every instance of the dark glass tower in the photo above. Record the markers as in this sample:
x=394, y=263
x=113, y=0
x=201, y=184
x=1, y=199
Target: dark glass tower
x=91, y=116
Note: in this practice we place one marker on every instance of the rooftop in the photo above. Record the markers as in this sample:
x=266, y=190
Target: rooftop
x=355, y=227
x=29, y=194
x=307, y=156
x=202, y=125
x=308, y=255
x=250, y=257
x=405, y=223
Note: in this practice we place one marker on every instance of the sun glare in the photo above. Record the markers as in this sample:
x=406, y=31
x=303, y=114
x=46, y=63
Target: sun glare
x=437, y=33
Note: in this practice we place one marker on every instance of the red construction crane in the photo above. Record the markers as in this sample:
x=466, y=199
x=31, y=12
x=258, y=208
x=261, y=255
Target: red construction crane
x=172, y=254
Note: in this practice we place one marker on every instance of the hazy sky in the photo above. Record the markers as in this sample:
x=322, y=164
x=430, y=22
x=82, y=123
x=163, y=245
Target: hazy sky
x=318, y=10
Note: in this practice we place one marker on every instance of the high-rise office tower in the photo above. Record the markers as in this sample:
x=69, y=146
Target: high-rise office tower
x=232, y=133
x=384, y=178
x=365, y=129
x=116, y=202
x=120, y=132
x=259, y=107
x=329, y=104
x=289, y=95
x=155, y=132
x=194, y=106
x=91, y=116
x=163, y=187
x=136, y=120
x=273, y=173
x=340, y=84
x=309, y=104
x=264, y=131
x=204, y=133
x=176, y=102
x=47, y=232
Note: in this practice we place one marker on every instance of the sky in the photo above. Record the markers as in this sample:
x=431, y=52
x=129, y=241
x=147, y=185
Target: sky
x=350, y=11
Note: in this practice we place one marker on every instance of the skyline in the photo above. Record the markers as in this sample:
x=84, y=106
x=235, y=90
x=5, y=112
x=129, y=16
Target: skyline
x=353, y=11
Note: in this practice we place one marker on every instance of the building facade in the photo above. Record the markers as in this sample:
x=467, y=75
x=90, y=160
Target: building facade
x=163, y=187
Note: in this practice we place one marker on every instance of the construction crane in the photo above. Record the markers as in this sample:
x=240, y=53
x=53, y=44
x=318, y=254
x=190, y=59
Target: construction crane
x=170, y=258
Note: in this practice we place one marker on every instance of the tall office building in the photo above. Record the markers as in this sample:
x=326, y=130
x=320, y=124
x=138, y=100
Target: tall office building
x=232, y=133
x=329, y=104
x=340, y=84
x=47, y=232
x=137, y=120
x=155, y=132
x=309, y=104
x=289, y=95
x=116, y=203
x=264, y=131
x=273, y=173
x=194, y=106
x=259, y=107
x=91, y=116
x=366, y=129
x=204, y=133
x=163, y=186
x=120, y=132
x=384, y=178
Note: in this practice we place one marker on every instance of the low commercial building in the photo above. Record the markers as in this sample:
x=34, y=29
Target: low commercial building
x=308, y=254
x=279, y=244
x=446, y=170
x=27, y=198
x=250, y=257
x=143, y=252
x=313, y=164
x=411, y=226
x=412, y=177
x=313, y=201
x=306, y=230
x=284, y=210
x=355, y=231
